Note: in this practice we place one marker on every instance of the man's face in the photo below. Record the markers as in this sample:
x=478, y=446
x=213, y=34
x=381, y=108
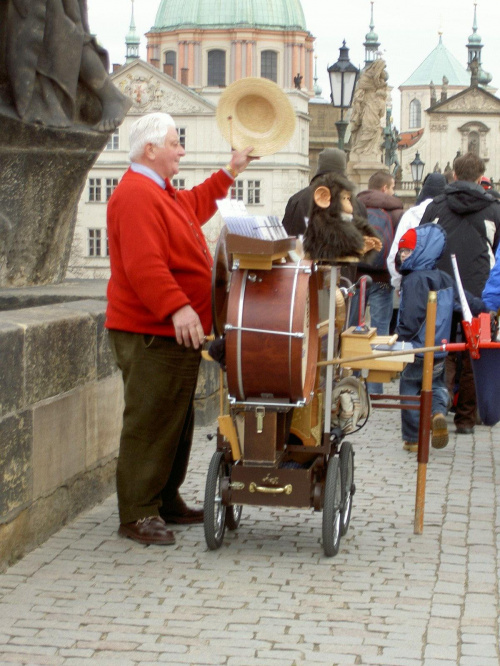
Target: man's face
x=389, y=189
x=166, y=158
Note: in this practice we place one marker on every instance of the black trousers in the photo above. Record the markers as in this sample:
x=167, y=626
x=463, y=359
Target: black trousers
x=159, y=378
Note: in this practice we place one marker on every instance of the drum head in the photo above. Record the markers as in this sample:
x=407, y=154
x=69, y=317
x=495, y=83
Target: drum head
x=221, y=278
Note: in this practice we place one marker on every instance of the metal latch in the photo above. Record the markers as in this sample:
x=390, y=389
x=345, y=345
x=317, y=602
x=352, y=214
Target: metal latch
x=260, y=412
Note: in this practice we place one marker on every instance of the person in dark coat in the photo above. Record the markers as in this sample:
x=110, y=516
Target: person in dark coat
x=471, y=218
x=379, y=198
x=331, y=160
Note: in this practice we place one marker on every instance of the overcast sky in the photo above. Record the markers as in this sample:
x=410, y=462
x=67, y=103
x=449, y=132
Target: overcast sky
x=407, y=31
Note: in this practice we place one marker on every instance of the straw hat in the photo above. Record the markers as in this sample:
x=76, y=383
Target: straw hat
x=255, y=112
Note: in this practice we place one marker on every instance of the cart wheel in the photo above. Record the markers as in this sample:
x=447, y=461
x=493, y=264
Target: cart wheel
x=331, y=508
x=233, y=516
x=214, y=511
x=346, y=461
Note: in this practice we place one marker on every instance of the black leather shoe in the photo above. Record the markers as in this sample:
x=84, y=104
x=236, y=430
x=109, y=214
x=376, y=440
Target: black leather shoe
x=464, y=430
x=181, y=514
x=148, y=531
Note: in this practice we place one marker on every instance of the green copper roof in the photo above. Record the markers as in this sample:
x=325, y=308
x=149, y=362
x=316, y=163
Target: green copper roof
x=440, y=62
x=270, y=14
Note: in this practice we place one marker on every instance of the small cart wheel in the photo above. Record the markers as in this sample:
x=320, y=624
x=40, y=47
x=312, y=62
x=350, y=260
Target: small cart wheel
x=233, y=516
x=214, y=520
x=331, y=508
x=346, y=461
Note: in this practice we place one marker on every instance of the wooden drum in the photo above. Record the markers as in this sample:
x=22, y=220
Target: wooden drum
x=272, y=334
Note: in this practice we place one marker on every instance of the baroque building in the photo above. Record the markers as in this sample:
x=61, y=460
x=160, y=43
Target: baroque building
x=449, y=108
x=195, y=49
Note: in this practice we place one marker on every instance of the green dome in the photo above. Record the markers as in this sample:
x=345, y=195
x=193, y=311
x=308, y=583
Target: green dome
x=440, y=62
x=270, y=14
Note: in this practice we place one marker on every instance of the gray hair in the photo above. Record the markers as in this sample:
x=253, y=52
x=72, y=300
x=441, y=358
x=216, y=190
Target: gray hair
x=151, y=128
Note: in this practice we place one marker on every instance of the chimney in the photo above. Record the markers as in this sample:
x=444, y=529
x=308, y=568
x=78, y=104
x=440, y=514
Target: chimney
x=116, y=67
x=184, y=76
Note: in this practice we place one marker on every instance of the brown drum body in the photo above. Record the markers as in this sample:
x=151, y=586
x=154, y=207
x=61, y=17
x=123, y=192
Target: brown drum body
x=272, y=334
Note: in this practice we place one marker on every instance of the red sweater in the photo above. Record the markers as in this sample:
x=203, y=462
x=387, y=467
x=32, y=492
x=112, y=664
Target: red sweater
x=159, y=257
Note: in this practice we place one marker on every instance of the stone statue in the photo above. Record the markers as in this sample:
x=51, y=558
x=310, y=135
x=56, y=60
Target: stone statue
x=433, y=93
x=474, y=72
x=51, y=68
x=297, y=80
x=58, y=107
x=444, y=89
x=367, y=110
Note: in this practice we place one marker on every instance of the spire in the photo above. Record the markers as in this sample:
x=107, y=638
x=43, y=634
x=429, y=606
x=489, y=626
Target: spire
x=132, y=40
x=371, y=43
x=474, y=48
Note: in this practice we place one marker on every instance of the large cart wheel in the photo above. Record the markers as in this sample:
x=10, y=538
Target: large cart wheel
x=331, y=508
x=346, y=459
x=233, y=516
x=214, y=520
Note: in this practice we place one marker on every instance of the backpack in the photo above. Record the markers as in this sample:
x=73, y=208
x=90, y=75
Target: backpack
x=381, y=221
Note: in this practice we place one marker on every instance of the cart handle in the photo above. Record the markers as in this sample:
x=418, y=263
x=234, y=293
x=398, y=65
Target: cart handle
x=254, y=488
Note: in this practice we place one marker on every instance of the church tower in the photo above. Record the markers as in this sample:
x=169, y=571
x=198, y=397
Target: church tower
x=474, y=48
x=132, y=40
x=371, y=44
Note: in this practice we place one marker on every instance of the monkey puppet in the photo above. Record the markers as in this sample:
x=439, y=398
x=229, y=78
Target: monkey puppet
x=333, y=232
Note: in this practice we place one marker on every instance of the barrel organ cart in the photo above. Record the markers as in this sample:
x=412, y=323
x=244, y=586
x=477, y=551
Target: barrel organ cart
x=278, y=443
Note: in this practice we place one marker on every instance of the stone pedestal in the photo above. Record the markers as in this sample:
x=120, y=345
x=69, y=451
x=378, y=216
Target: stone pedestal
x=42, y=175
x=360, y=172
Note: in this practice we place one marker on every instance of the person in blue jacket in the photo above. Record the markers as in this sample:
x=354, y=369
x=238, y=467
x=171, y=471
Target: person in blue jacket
x=419, y=251
x=491, y=291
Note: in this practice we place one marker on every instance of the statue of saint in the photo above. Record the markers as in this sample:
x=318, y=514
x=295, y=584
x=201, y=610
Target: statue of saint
x=297, y=80
x=46, y=52
x=369, y=106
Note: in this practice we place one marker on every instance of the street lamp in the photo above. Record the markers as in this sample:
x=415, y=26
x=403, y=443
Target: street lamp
x=417, y=171
x=343, y=76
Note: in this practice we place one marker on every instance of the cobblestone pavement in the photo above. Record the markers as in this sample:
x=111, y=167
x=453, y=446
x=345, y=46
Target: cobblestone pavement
x=269, y=596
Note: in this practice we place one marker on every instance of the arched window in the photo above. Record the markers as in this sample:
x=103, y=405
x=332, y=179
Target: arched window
x=269, y=65
x=170, y=64
x=415, y=114
x=216, y=75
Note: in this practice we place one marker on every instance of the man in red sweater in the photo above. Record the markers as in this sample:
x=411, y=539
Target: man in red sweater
x=158, y=314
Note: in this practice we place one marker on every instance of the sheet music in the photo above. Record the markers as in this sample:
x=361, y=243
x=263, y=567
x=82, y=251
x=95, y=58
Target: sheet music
x=240, y=221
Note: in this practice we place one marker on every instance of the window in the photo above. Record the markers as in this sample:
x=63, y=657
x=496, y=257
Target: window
x=94, y=189
x=114, y=141
x=253, y=192
x=269, y=65
x=236, y=191
x=179, y=183
x=415, y=114
x=170, y=63
x=216, y=75
x=97, y=243
x=181, y=131
x=111, y=183
x=94, y=242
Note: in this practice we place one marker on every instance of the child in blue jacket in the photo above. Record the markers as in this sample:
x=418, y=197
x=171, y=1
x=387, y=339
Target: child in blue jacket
x=419, y=251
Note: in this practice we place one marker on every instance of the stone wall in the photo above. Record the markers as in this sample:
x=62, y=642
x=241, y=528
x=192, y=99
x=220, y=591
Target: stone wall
x=60, y=418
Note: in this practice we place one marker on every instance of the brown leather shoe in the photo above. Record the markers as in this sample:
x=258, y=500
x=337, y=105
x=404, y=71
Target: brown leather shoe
x=181, y=514
x=150, y=530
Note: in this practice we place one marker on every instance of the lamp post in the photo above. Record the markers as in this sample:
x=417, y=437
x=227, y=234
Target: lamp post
x=417, y=171
x=343, y=76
